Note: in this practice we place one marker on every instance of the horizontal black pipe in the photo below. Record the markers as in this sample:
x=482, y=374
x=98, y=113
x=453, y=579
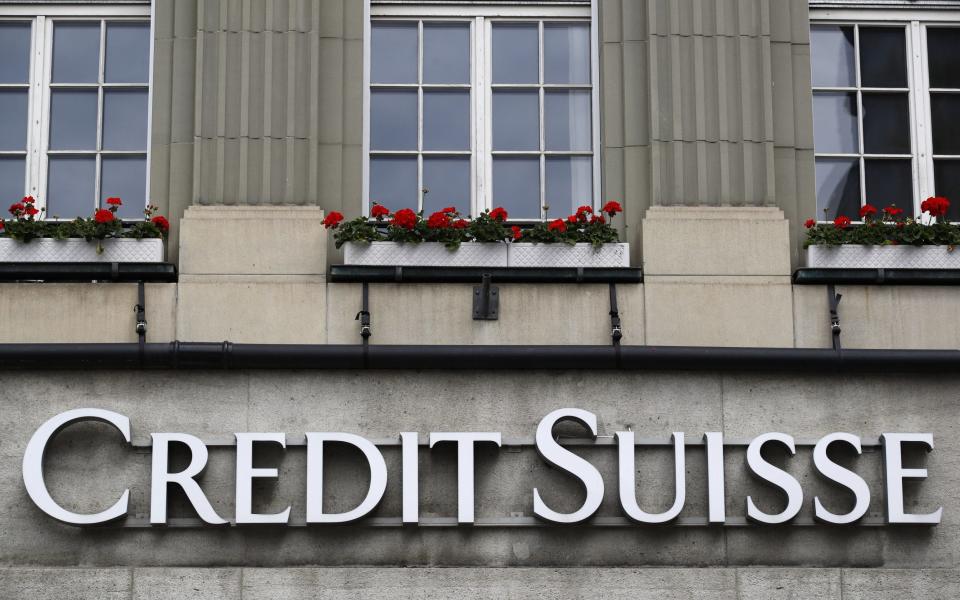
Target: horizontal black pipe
x=810, y=276
x=225, y=355
x=376, y=274
x=105, y=271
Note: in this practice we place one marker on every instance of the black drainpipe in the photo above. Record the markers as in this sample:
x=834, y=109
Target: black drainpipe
x=226, y=355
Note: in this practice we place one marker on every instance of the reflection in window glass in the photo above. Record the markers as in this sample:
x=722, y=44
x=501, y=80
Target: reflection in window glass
x=943, y=52
x=393, y=181
x=569, y=183
x=886, y=124
x=125, y=119
x=516, y=54
x=838, y=188
x=71, y=186
x=945, y=122
x=835, y=122
x=446, y=53
x=446, y=120
x=566, y=53
x=831, y=56
x=393, y=52
x=883, y=57
x=76, y=52
x=889, y=181
x=12, y=177
x=13, y=119
x=946, y=173
x=446, y=182
x=15, y=52
x=127, y=57
x=516, y=186
x=393, y=120
x=73, y=119
x=125, y=177
x=567, y=120
x=516, y=120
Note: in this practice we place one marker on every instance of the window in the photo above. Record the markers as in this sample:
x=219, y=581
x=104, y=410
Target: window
x=74, y=105
x=477, y=107
x=886, y=92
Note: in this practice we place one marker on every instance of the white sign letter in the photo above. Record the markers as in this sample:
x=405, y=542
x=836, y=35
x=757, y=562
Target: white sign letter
x=246, y=473
x=843, y=476
x=894, y=474
x=410, y=444
x=465, y=442
x=161, y=476
x=628, y=480
x=378, y=477
x=558, y=456
x=776, y=476
x=33, y=466
x=715, y=485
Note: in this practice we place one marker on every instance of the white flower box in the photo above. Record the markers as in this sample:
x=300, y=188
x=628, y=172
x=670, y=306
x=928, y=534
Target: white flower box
x=79, y=250
x=882, y=257
x=564, y=255
x=425, y=254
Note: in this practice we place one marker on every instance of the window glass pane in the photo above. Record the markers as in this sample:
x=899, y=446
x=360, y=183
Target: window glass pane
x=393, y=120
x=126, y=178
x=945, y=124
x=73, y=120
x=12, y=178
x=838, y=188
x=835, y=122
x=516, y=55
x=516, y=120
x=566, y=53
x=831, y=56
x=566, y=118
x=124, y=120
x=569, y=183
x=70, y=186
x=128, y=53
x=446, y=53
x=446, y=182
x=446, y=120
x=946, y=176
x=15, y=52
x=886, y=124
x=13, y=119
x=943, y=54
x=890, y=182
x=883, y=57
x=516, y=186
x=393, y=181
x=393, y=52
x=76, y=52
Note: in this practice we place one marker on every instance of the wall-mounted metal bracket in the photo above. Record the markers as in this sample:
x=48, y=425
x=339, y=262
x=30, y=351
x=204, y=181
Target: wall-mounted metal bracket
x=364, y=315
x=486, y=300
x=616, y=330
x=833, y=298
x=141, y=311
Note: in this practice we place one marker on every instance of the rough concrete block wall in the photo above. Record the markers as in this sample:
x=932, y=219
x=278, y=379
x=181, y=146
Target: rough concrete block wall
x=706, y=102
x=257, y=102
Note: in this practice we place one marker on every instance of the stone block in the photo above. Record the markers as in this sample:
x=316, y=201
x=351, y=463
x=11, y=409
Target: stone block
x=174, y=584
x=896, y=584
x=683, y=240
x=250, y=309
x=64, y=584
x=718, y=311
x=788, y=584
x=238, y=240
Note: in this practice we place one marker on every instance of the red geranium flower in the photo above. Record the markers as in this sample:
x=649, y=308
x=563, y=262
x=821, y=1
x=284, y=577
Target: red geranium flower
x=460, y=224
x=379, y=211
x=583, y=211
x=2, y=225
x=867, y=210
x=841, y=222
x=449, y=209
x=103, y=216
x=611, y=208
x=572, y=219
x=404, y=218
x=598, y=219
x=809, y=223
x=557, y=225
x=16, y=209
x=438, y=220
x=893, y=211
x=937, y=206
x=517, y=232
x=30, y=210
x=114, y=201
x=498, y=214
x=332, y=220
x=28, y=200
x=161, y=222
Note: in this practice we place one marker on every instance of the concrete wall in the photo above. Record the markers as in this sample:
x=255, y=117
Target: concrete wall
x=87, y=466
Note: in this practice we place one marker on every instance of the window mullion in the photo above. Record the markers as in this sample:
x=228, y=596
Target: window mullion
x=921, y=107
x=543, y=146
x=478, y=179
x=35, y=130
x=863, y=162
x=420, y=186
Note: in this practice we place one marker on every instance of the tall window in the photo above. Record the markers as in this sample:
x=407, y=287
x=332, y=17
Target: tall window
x=74, y=96
x=478, y=107
x=886, y=95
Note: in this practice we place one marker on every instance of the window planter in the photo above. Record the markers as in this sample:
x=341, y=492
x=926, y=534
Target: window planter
x=79, y=250
x=524, y=254
x=425, y=254
x=852, y=256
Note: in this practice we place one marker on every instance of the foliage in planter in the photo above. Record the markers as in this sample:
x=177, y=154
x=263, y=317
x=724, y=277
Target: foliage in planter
x=888, y=227
x=28, y=224
x=447, y=227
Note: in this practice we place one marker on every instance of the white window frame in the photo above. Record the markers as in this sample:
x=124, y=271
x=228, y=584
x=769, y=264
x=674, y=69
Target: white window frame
x=481, y=90
x=42, y=17
x=915, y=22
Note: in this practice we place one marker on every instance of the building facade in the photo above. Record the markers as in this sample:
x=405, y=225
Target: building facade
x=721, y=126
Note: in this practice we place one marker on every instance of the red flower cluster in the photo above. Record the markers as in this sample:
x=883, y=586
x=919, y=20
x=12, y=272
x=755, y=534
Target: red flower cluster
x=937, y=206
x=557, y=225
x=379, y=211
x=867, y=210
x=17, y=209
x=583, y=211
x=438, y=220
x=841, y=222
x=598, y=219
x=809, y=223
x=161, y=222
x=460, y=224
x=893, y=211
x=404, y=218
x=498, y=214
x=332, y=220
x=612, y=208
x=114, y=201
x=103, y=216
x=517, y=232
